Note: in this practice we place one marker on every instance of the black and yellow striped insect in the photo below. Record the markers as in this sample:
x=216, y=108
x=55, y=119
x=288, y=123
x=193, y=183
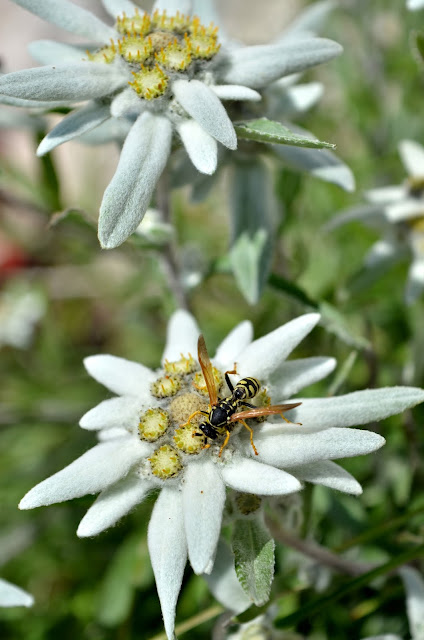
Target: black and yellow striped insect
x=223, y=413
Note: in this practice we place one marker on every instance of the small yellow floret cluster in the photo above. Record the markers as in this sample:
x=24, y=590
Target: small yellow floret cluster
x=159, y=44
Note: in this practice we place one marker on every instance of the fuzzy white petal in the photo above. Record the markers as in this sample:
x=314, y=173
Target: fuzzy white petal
x=235, y=92
x=297, y=374
x=414, y=586
x=127, y=103
x=232, y=346
x=259, y=65
x=116, y=412
x=111, y=433
x=13, y=596
x=118, y=7
x=203, y=504
x=181, y=336
x=73, y=82
x=320, y=163
x=286, y=450
x=304, y=96
x=29, y=104
x=415, y=281
x=70, y=17
x=404, y=210
x=168, y=552
x=264, y=355
x=380, y=252
x=251, y=476
x=96, y=469
x=359, y=407
x=329, y=474
x=384, y=195
x=130, y=191
x=414, y=5
x=112, y=504
x=172, y=6
x=412, y=154
x=201, y=147
x=74, y=125
x=204, y=106
x=121, y=376
x=51, y=52
x=223, y=581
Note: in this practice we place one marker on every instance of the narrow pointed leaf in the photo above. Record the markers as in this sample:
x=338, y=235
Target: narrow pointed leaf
x=264, y=130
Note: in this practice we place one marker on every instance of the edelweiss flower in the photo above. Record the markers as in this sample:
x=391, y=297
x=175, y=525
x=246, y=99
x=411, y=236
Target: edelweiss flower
x=162, y=72
x=13, y=596
x=147, y=442
x=399, y=211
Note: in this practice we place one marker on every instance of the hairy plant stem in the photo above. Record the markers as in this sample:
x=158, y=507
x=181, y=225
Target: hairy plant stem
x=315, y=551
x=169, y=254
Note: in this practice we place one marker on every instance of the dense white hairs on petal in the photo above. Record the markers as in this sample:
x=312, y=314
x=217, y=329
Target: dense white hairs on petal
x=13, y=596
x=203, y=504
x=414, y=586
x=235, y=92
x=118, y=7
x=51, y=52
x=287, y=450
x=29, y=104
x=172, y=6
x=74, y=125
x=359, y=407
x=259, y=65
x=294, y=375
x=233, y=345
x=111, y=433
x=127, y=103
x=121, y=376
x=128, y=195
x=72, y=82
x=223, y=581
x=70, y=17
x=181, y=336
x=201, y=147
x=263, y=356
x=204, y=106
x=116, y=412
x=320, y=163
x=250, y=476
x=412, y=154
x=112, y=504
x=96, y=469
x=329, y=474
x=168, y=552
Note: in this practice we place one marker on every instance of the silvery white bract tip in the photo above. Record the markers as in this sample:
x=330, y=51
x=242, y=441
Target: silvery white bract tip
x=13, y=596
x=150, y=437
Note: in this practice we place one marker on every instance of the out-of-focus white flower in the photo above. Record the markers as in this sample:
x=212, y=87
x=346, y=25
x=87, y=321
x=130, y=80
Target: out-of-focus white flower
x=399, y=211
x=20, y=311
x=13, y=596
x=146, y=442
x=178, y=77
x=414, y=5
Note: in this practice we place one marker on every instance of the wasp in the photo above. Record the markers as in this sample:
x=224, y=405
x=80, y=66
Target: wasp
x=223, y=413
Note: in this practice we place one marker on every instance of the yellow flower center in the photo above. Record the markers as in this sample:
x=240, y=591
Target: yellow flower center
x=165, y=462
x=153, y=424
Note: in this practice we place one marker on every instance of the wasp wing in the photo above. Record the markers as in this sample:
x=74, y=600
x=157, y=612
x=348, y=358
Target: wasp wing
x=207, y=370
x=258, y=412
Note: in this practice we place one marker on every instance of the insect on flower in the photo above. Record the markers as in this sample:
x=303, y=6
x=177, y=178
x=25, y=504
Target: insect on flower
x=223, y=413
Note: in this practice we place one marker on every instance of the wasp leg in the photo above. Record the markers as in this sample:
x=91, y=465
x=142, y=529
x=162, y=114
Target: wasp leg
x=227, y=379
x=196, y=413
x=288, y=421
x=227, y=437
x=251, y=435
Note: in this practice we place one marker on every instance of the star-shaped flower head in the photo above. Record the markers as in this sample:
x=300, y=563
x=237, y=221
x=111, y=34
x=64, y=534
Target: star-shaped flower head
x=164, y=74
x=148, y=440
x=399, y=211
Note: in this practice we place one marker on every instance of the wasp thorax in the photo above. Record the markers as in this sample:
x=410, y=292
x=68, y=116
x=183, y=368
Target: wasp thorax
x=247, y=503
x=166, y=386
x=153, y=424
x=183, y=366
x=165, y=462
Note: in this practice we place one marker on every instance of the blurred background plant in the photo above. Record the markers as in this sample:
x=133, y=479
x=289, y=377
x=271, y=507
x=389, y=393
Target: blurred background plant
x=118, y=302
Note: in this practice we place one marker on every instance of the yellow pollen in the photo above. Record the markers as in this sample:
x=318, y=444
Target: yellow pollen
x=183, y=366
x=165, y=462
x=149, y=83
x=153, y=424
x=187, y=440
x=166, y=386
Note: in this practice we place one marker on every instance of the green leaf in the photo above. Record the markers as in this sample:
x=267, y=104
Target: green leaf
x=253, y=209
x=319, y=604
x=253, y=549
x=264, y=130
x=417, y=46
